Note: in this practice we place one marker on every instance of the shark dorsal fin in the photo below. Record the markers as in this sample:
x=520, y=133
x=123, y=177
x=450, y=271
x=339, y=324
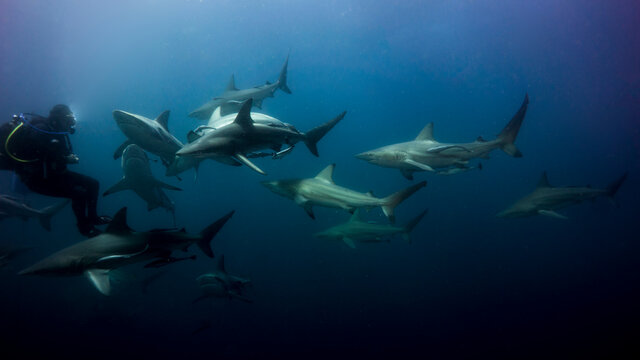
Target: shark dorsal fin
x=163, y=119
x=355, y=216
x=327, y=174
x=220, y=266
x=481, y=139
x=426, y=133
x=544, y=182
x=231, y=86
x=244, y=115
x=182, y=230
x=119, y=223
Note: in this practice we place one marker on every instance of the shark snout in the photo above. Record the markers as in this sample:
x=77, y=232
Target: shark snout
x=366, y=156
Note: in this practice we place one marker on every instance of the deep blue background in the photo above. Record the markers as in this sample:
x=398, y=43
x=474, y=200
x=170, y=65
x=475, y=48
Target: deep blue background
x=469, y=284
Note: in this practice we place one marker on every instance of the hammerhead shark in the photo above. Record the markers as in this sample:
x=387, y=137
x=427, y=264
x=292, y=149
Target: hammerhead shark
x=231, y=139
x=138, y=177
x=222, y=284
x=365, y=231
x=232, y=97
x=426, y=154
x=118, y=246
x=14, y=207
x=323, y=191
x=546, y=199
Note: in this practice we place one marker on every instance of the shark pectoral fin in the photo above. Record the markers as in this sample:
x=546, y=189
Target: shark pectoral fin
x=349, y=242
x=552, y=213
x=243, y=159
x=118, y=153
x=408, y=174
x=257, y=103
x=167, y=186
x=123, y=184
x=306, y=205
x=100, y=279
x=418, y=165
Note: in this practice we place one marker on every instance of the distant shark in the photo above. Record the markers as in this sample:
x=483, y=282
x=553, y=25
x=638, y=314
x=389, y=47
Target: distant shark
x=426, y=154
x=233, y=138
x=222, y=284
x=138, y=177
x=118, y=246
x=232, y=97
x=14, y=207
x=364, y=231
x=152, y=136
x=546, y=199
x=7, y=254
x=322, y=191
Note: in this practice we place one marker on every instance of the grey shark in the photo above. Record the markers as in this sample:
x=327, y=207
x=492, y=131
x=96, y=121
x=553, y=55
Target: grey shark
x=14, y=207
x=232, y=97
x=546, y=199
x=235, y=137
x=426, y=154
x=365, y=231
x=138, y=177
x=118, y=246
x=152, y=136
x=8, y=253
x=222, y=284
x=323, y=191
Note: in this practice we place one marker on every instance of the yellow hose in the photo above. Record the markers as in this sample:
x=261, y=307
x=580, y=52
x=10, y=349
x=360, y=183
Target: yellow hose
x=6, y=146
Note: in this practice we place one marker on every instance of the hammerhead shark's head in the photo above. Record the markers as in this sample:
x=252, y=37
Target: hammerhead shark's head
x=365, y=231
x=222, y=284
x=152, y=136
x=232, y=98
x=235, y=137
x=323, y=191
x=14, y=207
x=118, y=246
x=138, y=177
x=426, y=154
x=546, y=199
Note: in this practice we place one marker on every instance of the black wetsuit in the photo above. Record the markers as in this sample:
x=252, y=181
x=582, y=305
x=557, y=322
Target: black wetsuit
x=46, y=173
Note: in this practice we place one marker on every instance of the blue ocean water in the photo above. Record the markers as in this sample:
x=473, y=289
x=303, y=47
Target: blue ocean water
x=469, y=284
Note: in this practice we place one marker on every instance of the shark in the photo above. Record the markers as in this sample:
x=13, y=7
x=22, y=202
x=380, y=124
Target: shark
x=321, y=190
x=8, y=253
x=118, y=246
x=231, y=99
x=222, y=284
x=365, y=231
x=138, y=177
x=232, y=139
x=152, y=136
x=13, y=207
x=546, y=199
x=425, y=153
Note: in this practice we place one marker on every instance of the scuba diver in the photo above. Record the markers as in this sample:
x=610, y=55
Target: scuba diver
x=39, y=149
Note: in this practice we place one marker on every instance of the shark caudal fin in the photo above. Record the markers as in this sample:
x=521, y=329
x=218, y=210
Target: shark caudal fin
x=508, y=135
x=210, y=232
x=612, y=189
x=391, y=201
x=412, y=224
x=314, y=135
x=282, y=80
x=47, y=213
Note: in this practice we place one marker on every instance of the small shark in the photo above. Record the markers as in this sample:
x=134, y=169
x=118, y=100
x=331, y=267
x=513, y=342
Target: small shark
x=152, y=136
x=9, y=253
x=118, y=246
x=545, y=199
x=222, y=284
x=236, y=136
x=426, y=154
x=323, y=191
x=14, y=207
x=138, y=177
x=364, y=231
x=232, y=98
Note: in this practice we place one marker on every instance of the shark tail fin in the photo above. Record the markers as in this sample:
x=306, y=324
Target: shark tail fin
x=47, y=213
x=314, y=135
x=210, y=232
x=612, y=189
x=412, y=224
x=509, y=133
x=391, y=201
x=282, y=80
